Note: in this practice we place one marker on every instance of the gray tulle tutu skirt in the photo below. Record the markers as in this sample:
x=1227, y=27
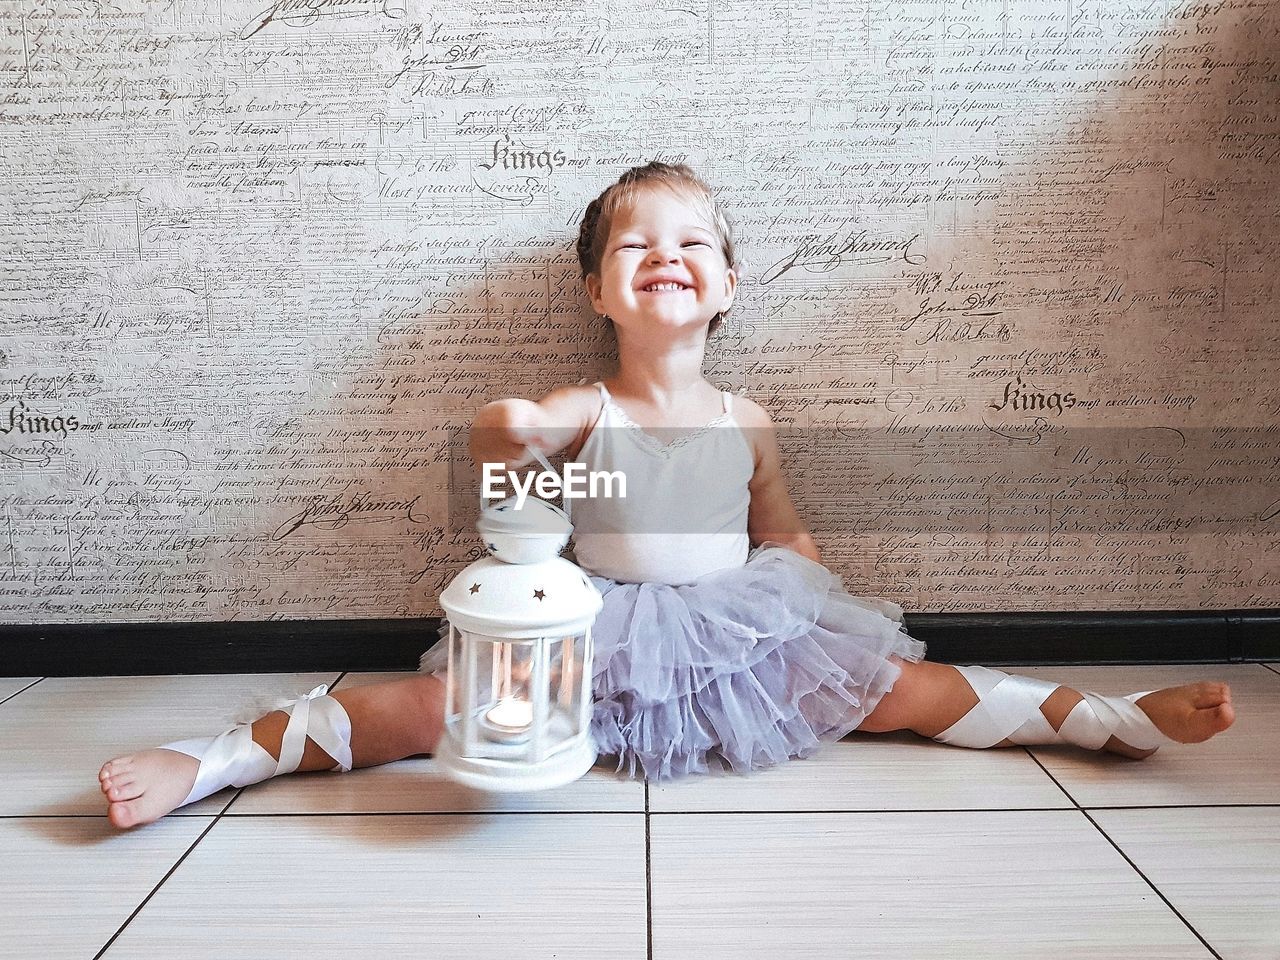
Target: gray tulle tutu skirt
x=746, y=668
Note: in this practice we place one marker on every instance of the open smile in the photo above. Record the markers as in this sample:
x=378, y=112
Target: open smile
x=665, y=288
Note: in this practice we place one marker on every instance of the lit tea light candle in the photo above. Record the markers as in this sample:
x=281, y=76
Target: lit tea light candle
x=511, y=716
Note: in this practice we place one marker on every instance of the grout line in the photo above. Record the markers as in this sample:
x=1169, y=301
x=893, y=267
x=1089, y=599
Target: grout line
x=23, y=690
x=1106, y=836
x=1154, y=888
x=648, y=878
x=1267, y=666
x=333, y=686
x=154, y=890
x=660, y=813
x=1181, y=806
x=239, y=791
x=96, y=816
x=1065, y=792
x=1071, y=809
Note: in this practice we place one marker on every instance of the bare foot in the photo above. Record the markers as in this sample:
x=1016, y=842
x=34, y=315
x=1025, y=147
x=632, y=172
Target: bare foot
x=1191, y=713
x=142, y=787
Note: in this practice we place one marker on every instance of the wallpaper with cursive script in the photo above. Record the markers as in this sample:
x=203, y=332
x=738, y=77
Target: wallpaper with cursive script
x=1008, y=288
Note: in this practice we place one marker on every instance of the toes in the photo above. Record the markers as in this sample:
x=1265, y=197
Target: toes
x=115, y=767
x=124, y=791
x=1206, y=695
x=123, y=815
x=1226, y=715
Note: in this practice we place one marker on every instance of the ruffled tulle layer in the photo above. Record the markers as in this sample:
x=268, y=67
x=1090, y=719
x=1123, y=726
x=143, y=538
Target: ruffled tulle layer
x=744, y=669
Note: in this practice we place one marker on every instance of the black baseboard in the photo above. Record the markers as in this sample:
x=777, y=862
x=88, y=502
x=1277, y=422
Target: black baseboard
x=298, y=646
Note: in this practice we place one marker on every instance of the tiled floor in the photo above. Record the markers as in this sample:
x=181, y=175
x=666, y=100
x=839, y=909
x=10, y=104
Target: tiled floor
x=880, y=846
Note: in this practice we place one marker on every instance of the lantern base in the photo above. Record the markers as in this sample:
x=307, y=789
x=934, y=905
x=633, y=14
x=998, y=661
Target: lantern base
x=506, y=776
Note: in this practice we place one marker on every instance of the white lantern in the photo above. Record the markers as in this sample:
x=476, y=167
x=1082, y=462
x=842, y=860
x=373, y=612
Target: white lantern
x=518, y=702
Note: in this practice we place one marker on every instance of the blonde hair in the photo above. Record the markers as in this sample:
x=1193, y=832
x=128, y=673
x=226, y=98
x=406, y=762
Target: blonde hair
x=597, y=221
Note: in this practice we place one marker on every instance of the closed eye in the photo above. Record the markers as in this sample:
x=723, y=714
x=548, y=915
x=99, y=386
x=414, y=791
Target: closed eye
x=690, y=243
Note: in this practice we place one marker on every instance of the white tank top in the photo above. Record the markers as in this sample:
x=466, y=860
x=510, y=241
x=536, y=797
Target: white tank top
x=685, y=513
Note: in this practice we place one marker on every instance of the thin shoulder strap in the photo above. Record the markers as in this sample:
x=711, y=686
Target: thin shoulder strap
x=728, y=401
x=604, y=408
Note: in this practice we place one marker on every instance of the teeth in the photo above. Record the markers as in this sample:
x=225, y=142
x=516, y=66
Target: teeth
x=663, y=286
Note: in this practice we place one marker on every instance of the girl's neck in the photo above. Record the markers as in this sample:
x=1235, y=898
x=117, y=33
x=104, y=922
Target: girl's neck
x=663, y=380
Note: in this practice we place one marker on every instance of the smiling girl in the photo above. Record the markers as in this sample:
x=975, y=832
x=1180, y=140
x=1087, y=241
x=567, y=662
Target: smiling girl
x=723, y=643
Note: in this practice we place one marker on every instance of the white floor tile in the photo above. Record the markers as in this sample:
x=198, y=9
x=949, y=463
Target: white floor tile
x=867, y=771
x=68, y=884
x=920, y=885
x=60, y=732
x=11, y=685
x=1219, y=867
x=519, y=885
x=1241, y=765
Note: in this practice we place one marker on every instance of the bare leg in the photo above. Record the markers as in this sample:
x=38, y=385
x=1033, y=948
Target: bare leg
x=929, y=697
x=389, y=721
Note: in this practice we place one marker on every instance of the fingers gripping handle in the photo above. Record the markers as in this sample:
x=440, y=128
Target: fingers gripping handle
x=546, y=465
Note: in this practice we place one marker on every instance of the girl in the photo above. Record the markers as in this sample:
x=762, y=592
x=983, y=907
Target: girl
x=710, y=653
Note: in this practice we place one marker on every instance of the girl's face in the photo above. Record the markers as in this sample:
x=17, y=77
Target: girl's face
x=661, y=240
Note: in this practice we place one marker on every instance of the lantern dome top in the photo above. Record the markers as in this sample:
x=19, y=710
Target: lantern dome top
x=521, y=600
x=530, y=533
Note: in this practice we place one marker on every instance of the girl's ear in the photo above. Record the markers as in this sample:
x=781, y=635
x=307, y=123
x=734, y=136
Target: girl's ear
x=730, y=286
x=593, y=290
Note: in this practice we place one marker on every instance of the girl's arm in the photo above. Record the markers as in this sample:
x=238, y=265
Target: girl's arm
x=501, y=430
x=771, y=515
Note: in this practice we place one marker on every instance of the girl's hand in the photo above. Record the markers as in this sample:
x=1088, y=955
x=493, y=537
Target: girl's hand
x=503, y=429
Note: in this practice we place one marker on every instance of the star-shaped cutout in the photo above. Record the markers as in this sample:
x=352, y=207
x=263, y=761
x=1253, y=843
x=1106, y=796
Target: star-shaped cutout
x=475, y=588
x=539, y=594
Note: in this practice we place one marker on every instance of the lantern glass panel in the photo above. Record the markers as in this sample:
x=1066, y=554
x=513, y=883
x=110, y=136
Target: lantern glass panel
x=491, y=679
x=484, y=670
x=491, y=683
x=565, y=688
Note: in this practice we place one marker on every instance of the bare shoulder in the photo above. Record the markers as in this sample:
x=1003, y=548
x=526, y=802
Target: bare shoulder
x=749, y=413
x=575, y=406
x=757, y=427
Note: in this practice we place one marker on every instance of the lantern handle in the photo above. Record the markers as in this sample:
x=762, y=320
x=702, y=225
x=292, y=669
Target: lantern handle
x=546, y=465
